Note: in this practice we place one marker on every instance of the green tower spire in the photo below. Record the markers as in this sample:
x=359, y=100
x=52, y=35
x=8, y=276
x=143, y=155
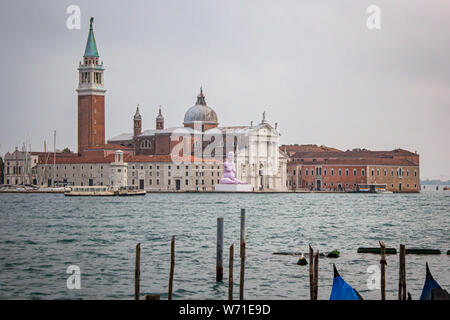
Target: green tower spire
x=91, y=46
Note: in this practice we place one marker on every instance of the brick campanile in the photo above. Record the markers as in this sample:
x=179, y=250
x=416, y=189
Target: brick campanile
x=91, y=97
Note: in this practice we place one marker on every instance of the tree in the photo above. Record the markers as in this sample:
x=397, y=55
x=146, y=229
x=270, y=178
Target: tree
x=66, y=150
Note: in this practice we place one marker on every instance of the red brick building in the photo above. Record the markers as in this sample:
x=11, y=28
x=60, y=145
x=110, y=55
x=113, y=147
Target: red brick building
x=327, y=169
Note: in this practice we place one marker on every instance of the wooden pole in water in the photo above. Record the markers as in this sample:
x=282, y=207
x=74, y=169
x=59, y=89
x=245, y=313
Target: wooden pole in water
x=311, y=272
x=172, y=265
x=241, y=282
x=402, y=274
x=219, y=251
x=137, y=272
x=242, y=253
x=230, y=273
x=383, y=270
x=316, y=274
x=242, y=230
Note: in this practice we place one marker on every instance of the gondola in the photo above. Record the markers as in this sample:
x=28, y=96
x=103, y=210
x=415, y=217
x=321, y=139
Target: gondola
x=342, y=290
x=432, y=290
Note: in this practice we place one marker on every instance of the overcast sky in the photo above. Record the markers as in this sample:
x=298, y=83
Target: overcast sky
x=313, y=66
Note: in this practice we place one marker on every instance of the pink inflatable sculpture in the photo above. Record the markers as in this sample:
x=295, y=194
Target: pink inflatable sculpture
x=229, y=171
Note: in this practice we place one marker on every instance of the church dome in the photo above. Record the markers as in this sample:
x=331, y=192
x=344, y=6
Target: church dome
x=200, y=112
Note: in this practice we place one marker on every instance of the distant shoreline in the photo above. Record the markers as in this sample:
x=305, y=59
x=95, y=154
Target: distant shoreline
x=435, y=182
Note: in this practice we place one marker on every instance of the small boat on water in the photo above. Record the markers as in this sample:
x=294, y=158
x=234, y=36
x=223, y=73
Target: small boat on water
x=101, y=191
x=446, y=189
x=373, y=188
x=89, y=191
x=432, y=290
x=341, y=290
x=131, y=191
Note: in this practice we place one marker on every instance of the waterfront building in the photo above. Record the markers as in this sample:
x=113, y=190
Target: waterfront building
x=259, y=161
x=328, y=169
x=149, y=172
x=16, y=168
x=1, y=170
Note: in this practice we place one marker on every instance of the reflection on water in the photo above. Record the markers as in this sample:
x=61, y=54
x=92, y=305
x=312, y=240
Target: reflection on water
x=41, y=235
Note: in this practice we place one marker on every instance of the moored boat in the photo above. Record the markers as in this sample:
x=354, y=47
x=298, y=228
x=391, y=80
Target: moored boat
x=341, y=290
x=89, y=191
x=101, y=191
x=373, y=188
x=431, y=289
x=131, y=191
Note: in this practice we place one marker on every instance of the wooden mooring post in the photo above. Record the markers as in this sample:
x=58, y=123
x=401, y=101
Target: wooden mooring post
x=383, y=270
x=219, y=251
x=242, y=253
x=311, y=272
x=242, y=230
x=316, y=274
x=230, y=273
x=402, y=274
x=137, y=272
x=172, y=266
x=241, y=280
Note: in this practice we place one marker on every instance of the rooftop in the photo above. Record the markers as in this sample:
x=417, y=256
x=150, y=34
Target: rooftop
x=91, y=45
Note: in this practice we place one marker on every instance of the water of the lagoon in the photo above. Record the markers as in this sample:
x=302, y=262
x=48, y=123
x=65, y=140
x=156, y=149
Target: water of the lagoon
x=41, y=235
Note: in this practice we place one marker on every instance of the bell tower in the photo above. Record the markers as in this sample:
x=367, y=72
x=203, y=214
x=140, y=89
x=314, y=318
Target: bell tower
x=159, y=120
x=91, y=97
x=137, y=123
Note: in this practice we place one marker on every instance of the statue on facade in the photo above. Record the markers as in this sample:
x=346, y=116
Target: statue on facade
x=229, y=171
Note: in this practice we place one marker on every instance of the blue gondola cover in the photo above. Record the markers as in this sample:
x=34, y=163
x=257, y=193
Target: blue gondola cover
x=429, y=285
x=342, y=290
